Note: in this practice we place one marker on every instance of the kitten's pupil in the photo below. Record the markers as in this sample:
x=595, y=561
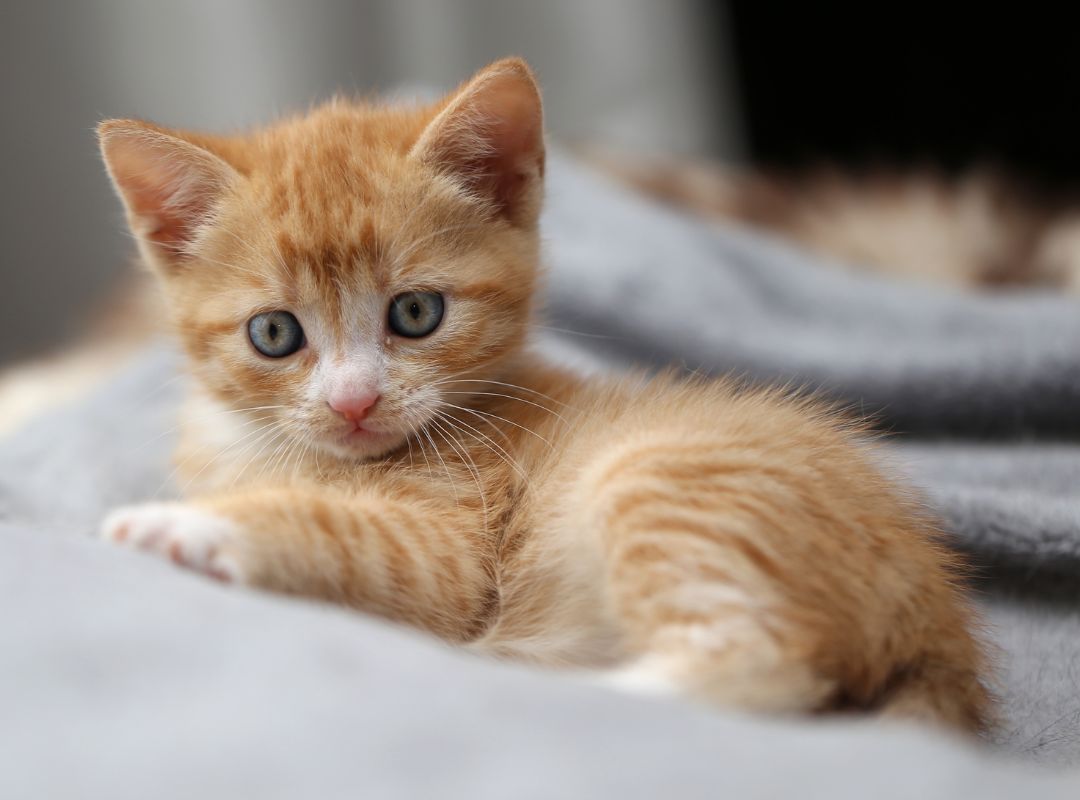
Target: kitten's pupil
x=414, y=310
x=273, y=331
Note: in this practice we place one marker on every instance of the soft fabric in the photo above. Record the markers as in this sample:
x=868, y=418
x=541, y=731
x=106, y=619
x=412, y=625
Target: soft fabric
x=124, y=677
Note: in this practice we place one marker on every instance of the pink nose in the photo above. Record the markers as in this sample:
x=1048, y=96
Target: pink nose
x=354, y=407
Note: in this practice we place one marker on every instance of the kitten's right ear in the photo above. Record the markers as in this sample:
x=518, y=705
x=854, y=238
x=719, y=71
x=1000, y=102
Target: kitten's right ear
x=170, y=187
x=490, y=137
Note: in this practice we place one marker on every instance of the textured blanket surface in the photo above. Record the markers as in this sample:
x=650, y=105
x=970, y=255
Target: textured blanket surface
x=124, y=677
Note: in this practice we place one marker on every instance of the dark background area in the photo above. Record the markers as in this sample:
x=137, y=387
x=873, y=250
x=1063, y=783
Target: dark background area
x=910, y=84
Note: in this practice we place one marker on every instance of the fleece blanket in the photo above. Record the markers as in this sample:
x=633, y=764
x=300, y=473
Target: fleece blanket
x=123, y=677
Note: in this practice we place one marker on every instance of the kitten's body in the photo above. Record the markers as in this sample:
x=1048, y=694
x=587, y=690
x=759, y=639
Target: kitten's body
x=736, y=545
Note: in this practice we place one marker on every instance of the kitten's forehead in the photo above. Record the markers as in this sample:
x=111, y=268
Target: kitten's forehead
x=335, y=164
x=325, y=212
x=331, y=231
x=383, y=245
x=351, y=257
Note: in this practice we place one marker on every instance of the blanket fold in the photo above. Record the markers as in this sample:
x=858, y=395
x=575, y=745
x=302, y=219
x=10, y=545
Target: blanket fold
x=649, y=286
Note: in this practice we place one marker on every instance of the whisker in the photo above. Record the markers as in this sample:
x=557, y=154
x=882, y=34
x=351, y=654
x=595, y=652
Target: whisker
x=446, y=469
x=492, y=447
x=203, y=447
x=272, y=439
x=301, y=454
x=508, y=385
x=469, y=465
x=278, y=431
x=503, y=434
x=576, y=333
x=511, y=397
x=289, y=444
x=483, y=414
x=187, y=420
x=296, y=458
x=491, y=443
x=220, y=453
x=281, y=441
x=161, y=388
x=423, y=450
x=284, y=459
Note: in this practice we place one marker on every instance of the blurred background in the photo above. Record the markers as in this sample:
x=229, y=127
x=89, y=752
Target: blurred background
x=740, y=83
x=641, y=73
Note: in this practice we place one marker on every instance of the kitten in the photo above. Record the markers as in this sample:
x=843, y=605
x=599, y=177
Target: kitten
x=354, y=289
x=981, y=229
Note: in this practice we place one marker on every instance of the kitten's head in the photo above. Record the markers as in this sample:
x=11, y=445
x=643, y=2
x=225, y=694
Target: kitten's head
x=338, y=271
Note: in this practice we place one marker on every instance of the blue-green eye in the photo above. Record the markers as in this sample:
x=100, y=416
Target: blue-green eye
x=416, y=314
x=276, y=333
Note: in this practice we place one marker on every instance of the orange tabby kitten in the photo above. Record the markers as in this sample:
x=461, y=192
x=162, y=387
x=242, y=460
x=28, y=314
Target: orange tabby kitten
x=354, y=287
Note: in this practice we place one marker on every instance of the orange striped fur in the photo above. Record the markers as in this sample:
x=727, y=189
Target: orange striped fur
x=739, y=546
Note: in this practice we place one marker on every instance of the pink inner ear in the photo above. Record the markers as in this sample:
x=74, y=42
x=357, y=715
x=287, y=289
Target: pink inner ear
x=168, y=215
x=517, y=152
x=491, y=137
x=168, y=185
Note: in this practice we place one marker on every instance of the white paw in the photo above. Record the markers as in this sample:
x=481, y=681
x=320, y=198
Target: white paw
x=189, y=536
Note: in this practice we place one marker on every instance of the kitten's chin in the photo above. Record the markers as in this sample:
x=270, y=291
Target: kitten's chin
x=363, y=445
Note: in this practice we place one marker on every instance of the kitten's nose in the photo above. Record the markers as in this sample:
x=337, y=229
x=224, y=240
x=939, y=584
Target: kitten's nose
x=354, y=406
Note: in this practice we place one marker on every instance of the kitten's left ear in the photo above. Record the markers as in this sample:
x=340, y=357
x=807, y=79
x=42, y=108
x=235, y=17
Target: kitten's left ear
x=170, y=187
x=490, y=136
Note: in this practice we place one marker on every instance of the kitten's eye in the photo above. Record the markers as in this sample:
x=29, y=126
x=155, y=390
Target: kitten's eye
x=416, y=314
x=276, y=333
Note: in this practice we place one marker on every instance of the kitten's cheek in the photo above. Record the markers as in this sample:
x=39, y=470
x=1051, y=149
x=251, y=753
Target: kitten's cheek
x=198, y=540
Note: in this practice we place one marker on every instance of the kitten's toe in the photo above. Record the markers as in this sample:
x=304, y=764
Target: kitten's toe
x=189, y=536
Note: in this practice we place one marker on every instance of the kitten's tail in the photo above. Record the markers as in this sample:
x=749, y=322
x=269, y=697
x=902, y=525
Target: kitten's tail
x=940, y=688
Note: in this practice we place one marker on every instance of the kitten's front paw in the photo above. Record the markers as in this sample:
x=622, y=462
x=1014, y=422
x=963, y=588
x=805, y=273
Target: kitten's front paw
x=191, y=537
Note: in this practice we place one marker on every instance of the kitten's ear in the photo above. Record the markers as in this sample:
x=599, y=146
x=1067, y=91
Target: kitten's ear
x=169, y=186
x=490, y=136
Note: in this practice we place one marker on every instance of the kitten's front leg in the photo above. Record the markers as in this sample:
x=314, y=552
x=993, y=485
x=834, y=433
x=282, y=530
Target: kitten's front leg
x=421, y=561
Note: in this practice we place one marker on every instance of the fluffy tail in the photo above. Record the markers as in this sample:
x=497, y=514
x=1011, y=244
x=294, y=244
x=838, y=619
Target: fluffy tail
x=935, y=689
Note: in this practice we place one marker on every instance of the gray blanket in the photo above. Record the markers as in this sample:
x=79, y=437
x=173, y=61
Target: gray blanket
x=123, y=677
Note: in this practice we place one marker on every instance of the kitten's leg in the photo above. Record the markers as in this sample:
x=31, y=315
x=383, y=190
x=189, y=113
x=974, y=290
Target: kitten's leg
x=712, y=637
x=421, y=562
x=722, y=596
x=700, y=613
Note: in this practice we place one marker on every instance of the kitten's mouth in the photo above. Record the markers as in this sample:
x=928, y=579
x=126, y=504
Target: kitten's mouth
x=362, y=441
x=361, y=433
